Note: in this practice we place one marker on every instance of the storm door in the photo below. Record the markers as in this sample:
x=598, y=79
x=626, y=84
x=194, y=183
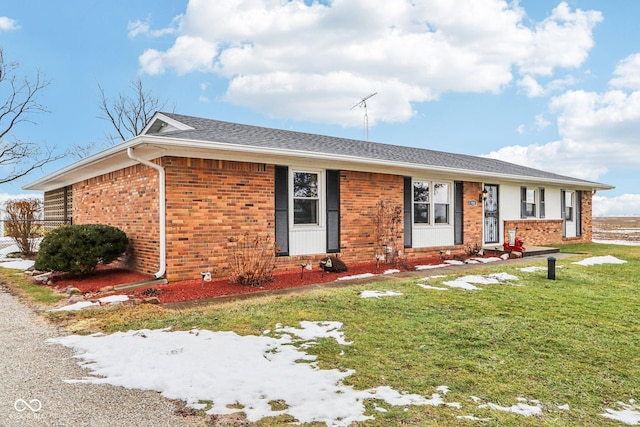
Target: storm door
x=491, y=215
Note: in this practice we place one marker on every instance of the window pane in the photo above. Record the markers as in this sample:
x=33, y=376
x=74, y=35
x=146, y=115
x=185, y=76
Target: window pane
x=421, y=213
x=305, y=211
x=421, y=192
x=531, y=196
x=441, y=193
x=305, y=184
x=441, y=213
x=568, y=199
x=531, y=209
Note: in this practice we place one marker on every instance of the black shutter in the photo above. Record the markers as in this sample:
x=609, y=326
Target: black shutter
x=578, y=204
x=282, y=210
x=542, y=207
x=408, y=208
x=523, y=202
x=563, y=215
x=457, y=213
x=333, y=211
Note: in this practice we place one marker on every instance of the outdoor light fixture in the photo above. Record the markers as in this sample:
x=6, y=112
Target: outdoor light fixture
x=483, y=195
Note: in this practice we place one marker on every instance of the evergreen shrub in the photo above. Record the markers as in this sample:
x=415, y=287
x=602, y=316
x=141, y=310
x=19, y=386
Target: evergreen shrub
x=78, y=249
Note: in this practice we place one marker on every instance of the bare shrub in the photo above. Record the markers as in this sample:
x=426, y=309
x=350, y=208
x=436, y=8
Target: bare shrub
x=388, y=223
x=252, y=259
x=24, y=223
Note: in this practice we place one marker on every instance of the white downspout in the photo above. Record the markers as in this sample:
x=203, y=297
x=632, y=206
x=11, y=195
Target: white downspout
x=162, y=210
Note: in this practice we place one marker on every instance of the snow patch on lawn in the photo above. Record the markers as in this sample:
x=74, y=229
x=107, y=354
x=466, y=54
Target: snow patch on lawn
x=228, y=369
x=378, y=294
x=469, y=282
x=84, y=304
x=521, y=408
x=532, y=269
x=629, y=414
x=435, y=288
x=597, y=260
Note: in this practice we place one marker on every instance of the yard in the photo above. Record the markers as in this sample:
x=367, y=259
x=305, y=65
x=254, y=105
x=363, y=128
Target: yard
x=522, y=352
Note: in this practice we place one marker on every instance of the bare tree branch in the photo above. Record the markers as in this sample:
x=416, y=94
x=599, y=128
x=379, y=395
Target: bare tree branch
x=17, y=157
x=128, y=114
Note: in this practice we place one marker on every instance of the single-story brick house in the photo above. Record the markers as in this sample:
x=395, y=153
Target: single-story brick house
x=185, y=185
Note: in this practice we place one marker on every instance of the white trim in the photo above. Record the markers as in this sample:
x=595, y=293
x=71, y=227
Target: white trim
x=170, y=124
x=162, y=205
x=115, y=158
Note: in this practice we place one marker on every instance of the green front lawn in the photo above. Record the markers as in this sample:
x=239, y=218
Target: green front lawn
x=575, y=340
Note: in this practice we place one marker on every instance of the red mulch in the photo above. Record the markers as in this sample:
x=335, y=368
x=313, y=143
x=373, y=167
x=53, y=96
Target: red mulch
x=188, y=290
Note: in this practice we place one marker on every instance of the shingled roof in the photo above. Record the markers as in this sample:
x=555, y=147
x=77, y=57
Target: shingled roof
x=208, y=130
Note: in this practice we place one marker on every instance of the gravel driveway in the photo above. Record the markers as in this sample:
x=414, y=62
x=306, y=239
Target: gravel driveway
x=33, y=391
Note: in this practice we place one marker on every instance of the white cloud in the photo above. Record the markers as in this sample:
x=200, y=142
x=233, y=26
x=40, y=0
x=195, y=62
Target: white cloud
x=520, y=129
x=541, y=122
x=533, y=89
x=312, y=61
x=624, y=205
x=598, y=132
x=627, y=73
x=8, y=24
x=138, y=27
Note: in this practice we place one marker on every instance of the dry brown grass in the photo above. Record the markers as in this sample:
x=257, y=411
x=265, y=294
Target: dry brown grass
x=617, y=228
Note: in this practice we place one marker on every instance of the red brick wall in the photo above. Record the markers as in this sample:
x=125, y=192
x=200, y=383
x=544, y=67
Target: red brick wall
x=587, y=217
x=535, y=232
x=545, y=232
x=472, y=219
x=127, y=199
x=208, y=202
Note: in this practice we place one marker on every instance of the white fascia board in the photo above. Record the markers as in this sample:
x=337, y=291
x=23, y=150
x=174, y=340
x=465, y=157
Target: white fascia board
x=268, y=154
x=91, y=166
x=163, y=146
x=168, y=120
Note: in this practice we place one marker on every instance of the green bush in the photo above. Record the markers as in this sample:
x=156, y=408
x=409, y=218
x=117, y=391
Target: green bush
x=78, y=249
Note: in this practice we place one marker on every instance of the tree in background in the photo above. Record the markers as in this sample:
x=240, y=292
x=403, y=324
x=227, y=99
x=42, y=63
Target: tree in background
x=129, y=113
x=24, y=223
x=17, y=157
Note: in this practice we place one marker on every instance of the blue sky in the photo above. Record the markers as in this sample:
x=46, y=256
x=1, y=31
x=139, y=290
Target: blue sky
x=553, y=85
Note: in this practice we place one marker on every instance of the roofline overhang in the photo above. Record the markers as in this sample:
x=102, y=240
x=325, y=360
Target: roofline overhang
x=160, y=146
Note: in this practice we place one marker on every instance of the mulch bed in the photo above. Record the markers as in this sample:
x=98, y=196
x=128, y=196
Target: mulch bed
x=105, y=277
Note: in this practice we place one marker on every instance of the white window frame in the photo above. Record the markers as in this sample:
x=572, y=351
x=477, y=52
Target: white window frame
x=432, y=203
x=320, y=198
x=531, y=202
x=569, y=196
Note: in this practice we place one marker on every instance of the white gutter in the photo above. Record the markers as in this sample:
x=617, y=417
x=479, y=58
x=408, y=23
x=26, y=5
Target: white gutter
x=162, y=202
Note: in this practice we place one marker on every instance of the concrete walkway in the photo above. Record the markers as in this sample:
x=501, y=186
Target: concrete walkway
x=33, y=391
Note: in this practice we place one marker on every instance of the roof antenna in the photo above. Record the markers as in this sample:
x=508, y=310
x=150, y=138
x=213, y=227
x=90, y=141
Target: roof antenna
x=363, y=103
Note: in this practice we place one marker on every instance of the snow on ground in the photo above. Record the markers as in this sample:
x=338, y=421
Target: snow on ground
x=391, y=271
x=532, y=269
x=228, y=369
x=378, y=294
x=356, y=276
x=523, y=407
x=608, y=259
x=629, y=414
x=469, y=282
x=430, y=267
x=17, y=264
x=435, y=288
x=84, y=304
